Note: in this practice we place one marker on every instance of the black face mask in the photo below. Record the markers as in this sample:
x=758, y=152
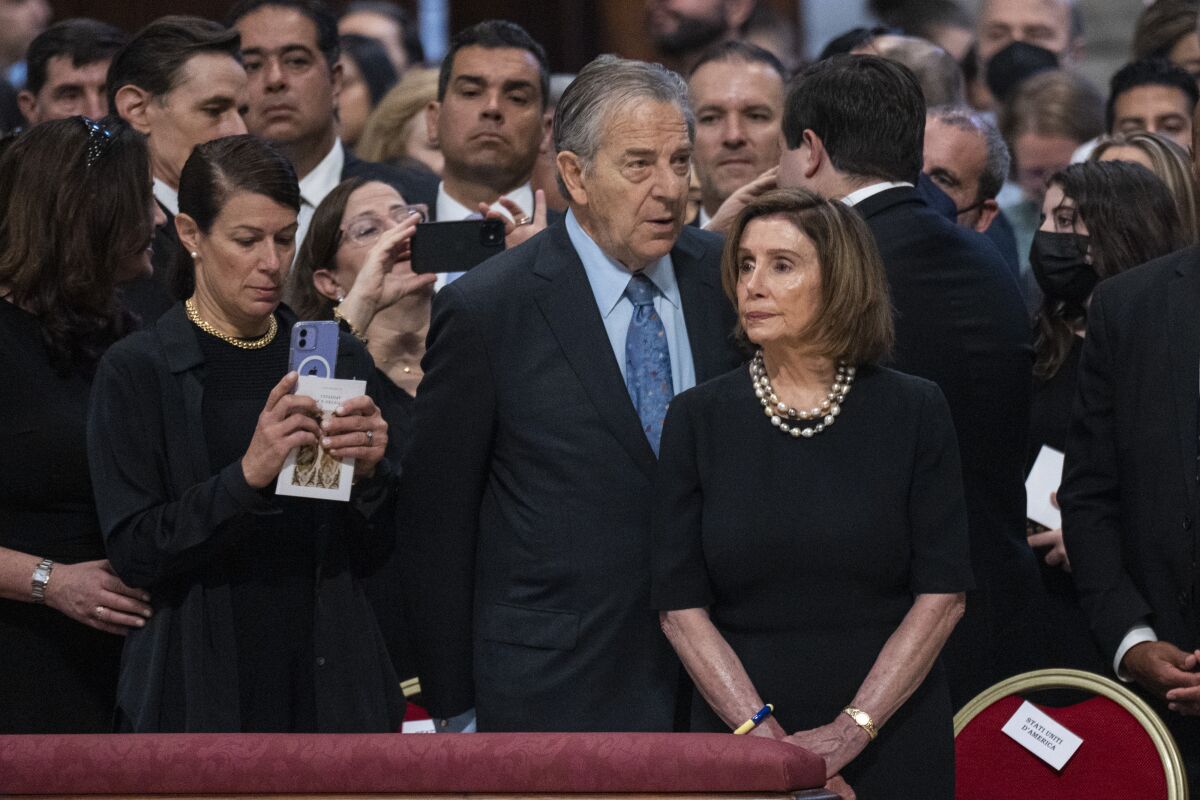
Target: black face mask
x=1016, y=63
x=1058, y=261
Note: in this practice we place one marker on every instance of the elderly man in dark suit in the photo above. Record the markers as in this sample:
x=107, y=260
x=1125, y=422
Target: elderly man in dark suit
x=1130, y=503
x=960, y=322
x=548, y=372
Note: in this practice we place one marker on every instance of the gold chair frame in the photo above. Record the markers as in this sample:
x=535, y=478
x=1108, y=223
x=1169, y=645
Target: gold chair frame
x=1164, y=743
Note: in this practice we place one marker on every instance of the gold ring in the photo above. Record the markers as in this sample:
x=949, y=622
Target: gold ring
x=523, y=220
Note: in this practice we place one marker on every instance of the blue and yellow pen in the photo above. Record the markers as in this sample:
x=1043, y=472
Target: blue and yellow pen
x=755, y=721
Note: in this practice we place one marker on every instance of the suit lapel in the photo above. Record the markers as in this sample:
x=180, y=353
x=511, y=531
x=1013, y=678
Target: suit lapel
x=701, y=295
x=570, y=309
x=1183, y=336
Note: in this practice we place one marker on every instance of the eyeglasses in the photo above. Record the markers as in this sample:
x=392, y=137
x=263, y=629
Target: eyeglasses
x=99, y=139
x=364, y=231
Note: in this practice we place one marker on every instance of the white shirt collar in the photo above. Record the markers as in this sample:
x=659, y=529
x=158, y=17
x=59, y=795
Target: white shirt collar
x=450, y=210
x=703, y=219
x=325, y=176
x=858, y=195
x=168, y=197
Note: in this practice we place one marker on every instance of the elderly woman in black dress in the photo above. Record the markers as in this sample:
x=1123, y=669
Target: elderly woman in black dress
x=260, y=622
x=67, y=185
x=810, y=529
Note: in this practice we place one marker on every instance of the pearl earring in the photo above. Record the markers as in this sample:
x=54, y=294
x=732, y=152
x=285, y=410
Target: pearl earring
x=195, y=255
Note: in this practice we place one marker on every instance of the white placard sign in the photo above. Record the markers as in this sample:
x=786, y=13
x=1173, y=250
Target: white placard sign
x=1044, y=479
x=1034, y=730
x=418, y=726
x=310, y=471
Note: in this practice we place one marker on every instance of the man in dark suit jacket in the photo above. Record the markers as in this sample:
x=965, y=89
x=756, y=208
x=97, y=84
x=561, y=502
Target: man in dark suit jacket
x=959, y=322
x=196, y=60
x=526, y=489
x=290, y=49
x=1130, y=503
x=490, y=121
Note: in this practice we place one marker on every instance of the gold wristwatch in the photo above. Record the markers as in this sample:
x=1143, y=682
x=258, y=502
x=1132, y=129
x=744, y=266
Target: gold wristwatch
x=862, y=719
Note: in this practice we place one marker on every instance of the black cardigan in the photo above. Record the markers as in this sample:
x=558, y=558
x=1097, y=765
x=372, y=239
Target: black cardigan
x=161, y=510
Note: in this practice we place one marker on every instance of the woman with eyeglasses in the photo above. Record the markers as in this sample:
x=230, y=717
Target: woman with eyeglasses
x=260, y=623
x=64, y=187
x=353, y=266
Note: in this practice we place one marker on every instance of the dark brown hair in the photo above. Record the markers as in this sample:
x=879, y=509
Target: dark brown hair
x=76, y=211
x=1103, y=193
x=213, y=173
x=1161, y=26
x=156, y=55
x=319, y=250
x=854, y=323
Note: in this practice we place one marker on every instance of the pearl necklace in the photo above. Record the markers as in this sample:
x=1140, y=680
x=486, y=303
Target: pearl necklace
x=193, y=314
x=784, y=417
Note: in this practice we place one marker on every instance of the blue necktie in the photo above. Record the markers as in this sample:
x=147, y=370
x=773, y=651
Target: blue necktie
x=647, y=360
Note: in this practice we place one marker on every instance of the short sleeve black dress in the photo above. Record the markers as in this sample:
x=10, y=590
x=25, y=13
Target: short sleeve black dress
x=56, y=675
x=808, y=554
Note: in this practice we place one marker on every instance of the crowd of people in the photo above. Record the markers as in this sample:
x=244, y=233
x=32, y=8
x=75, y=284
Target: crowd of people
x=733, y=434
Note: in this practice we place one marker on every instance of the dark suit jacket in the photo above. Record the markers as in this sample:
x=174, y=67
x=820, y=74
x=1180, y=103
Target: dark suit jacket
x=148, y=298
x=526, y=495
x=960, y=322
x=1129, y=494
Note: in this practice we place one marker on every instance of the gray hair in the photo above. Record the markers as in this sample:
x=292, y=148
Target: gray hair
x=605, y=86
x=995, y=168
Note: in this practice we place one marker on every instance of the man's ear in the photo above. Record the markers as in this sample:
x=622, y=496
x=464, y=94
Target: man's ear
x=571, y=170
x=336, y=76
x=27, y=102
x=132, y=105
x=189, y=232
x=987, y=213
x=816, y=152
x=433, y=112
x=547, y=145
x=327, y=284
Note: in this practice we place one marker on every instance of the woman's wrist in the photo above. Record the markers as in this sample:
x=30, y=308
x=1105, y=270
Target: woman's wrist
x=357, y=312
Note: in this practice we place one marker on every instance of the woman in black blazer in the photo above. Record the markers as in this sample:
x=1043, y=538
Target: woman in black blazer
x=810, y=528
x=260, y=623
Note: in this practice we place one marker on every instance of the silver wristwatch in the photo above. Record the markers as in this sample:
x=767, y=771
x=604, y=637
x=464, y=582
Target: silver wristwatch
x=41, y=577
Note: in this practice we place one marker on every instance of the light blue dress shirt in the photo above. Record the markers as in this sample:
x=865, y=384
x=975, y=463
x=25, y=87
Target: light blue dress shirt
x=608, y=280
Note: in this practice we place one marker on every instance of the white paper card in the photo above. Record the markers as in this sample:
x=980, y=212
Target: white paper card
x=1031, y=728
x=418, y=726
x=310, y=471
x=1044, y=478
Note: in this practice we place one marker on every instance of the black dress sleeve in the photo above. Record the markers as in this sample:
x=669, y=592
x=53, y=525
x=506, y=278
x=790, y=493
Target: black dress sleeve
x=149, y=534
x=937, y=508
x=679, y=574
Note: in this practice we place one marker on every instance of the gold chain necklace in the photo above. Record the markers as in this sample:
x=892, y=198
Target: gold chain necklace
x=246, y=344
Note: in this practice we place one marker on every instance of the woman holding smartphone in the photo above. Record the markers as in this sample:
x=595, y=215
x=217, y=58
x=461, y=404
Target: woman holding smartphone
x=259, y=620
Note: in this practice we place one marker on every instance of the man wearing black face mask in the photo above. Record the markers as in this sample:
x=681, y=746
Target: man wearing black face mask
x=1054, y=26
